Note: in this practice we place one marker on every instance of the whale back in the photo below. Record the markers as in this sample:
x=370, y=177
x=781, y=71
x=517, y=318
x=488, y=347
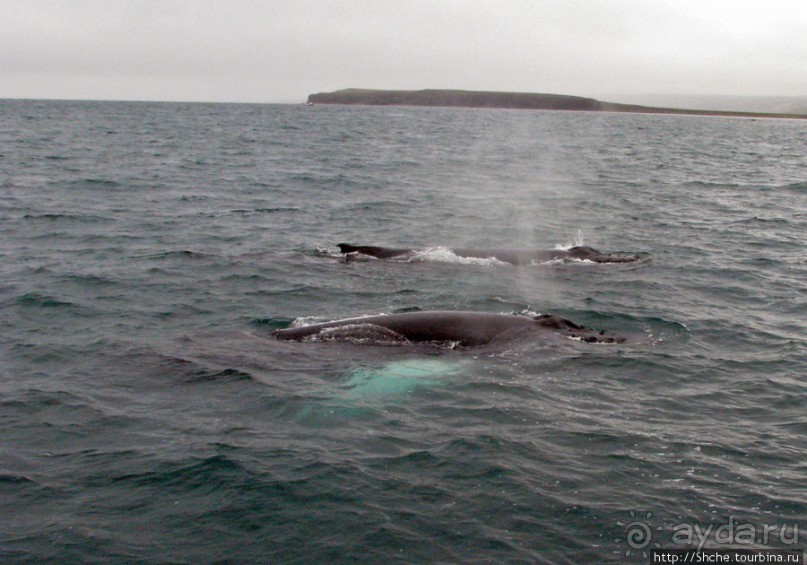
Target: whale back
x=467, y=329
x=514, y=256
x=372, y=250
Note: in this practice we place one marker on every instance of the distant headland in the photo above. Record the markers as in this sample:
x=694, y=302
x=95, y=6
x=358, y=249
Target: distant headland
x=508, y=100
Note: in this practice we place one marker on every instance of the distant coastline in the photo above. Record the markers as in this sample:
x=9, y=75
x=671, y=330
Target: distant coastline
x=509, y=100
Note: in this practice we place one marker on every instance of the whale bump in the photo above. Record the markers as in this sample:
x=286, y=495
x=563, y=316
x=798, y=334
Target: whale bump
x=513, y=256
x=463, y=328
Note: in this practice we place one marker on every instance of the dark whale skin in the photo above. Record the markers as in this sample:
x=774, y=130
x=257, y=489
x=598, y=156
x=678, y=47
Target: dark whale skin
x=467, y=329
x=514, y=256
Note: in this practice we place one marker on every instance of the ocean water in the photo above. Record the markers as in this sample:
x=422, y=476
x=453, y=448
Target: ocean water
x=147, y=415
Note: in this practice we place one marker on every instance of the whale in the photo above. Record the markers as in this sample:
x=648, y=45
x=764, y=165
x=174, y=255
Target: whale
x=513, y=256
x=460, y=328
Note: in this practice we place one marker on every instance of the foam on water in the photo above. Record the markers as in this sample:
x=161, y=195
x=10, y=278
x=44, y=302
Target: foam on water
x=446, y=255
x=578, y=241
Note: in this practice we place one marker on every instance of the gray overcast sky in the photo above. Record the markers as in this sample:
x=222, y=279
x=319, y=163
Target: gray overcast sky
x=281, y=51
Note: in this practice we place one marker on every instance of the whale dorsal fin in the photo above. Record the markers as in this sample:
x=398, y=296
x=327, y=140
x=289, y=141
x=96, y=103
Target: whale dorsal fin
x=347, y=248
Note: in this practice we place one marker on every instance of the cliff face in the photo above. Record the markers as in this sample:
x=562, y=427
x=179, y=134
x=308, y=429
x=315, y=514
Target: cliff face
x=460, y=98
x=512, y=100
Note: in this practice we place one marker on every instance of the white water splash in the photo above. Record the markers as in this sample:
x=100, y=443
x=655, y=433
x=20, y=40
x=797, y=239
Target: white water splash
x=304, y=321
x=576, y=242
x=446, y=255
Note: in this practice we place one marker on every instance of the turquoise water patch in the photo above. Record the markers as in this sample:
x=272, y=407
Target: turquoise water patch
x=397, y=378
x=365, y=386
